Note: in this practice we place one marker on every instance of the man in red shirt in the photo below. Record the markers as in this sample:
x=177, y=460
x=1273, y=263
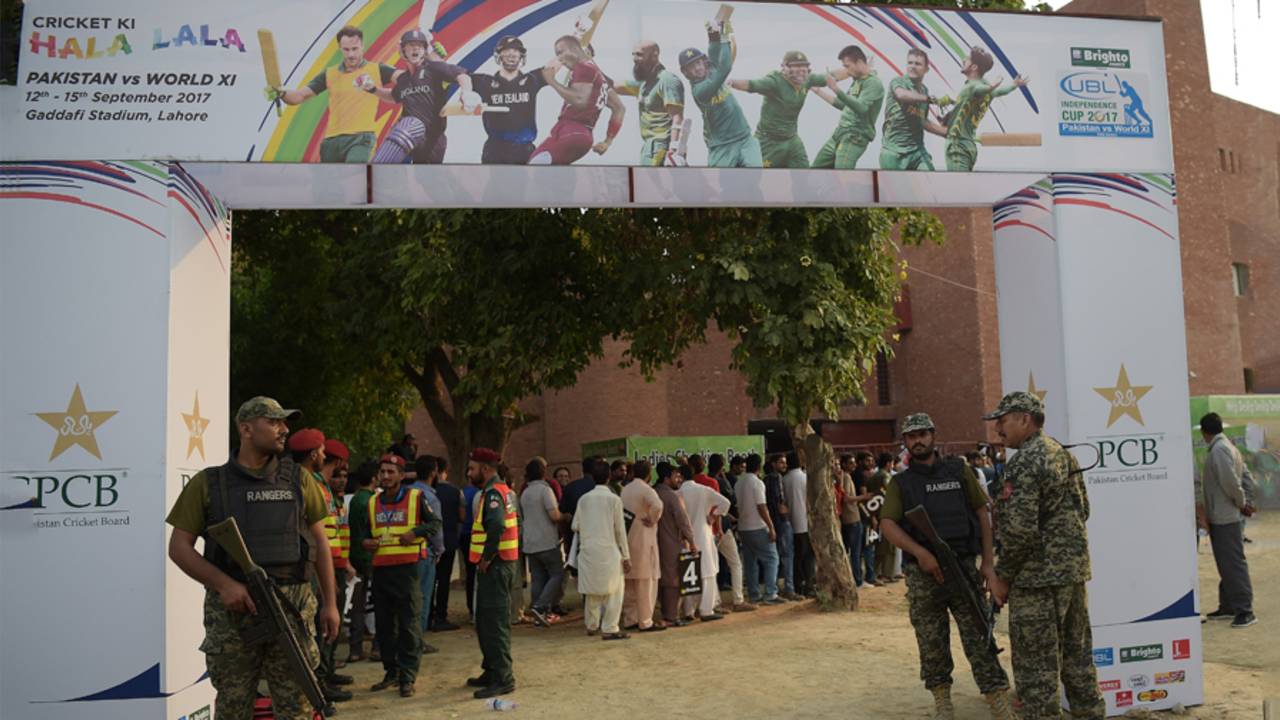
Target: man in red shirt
x=700, y=475
x=587, y=93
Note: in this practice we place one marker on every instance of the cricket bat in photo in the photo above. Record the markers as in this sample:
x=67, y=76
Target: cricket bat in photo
x=682, y=149
x=1010, y=139
x=724, y=13
x=593, y=18
x=270, y=63
x=456, y=109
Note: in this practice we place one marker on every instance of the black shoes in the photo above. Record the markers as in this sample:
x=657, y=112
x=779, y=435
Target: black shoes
x=494, y=690
x=335, y=694
x=337, y=680
x=443, y=626
x=479, y=682
x=385, y=683
x=406, y=689
x=1244, y=620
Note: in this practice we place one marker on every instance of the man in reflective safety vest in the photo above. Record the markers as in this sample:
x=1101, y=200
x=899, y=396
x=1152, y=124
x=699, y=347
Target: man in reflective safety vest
x=495, y=547
x=308, y=447
x=399, y=523
x=338, y=530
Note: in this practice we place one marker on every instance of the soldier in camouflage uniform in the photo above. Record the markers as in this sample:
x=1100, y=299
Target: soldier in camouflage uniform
x=255, y=479
x=1041, y=512
x=950, y=493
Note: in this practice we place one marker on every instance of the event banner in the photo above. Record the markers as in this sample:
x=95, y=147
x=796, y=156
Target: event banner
x=1069, y=298
x=621, y=83
x=124, y=400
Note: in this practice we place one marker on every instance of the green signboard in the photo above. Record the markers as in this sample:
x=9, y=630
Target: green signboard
x=656, y=449
x=1252, y=422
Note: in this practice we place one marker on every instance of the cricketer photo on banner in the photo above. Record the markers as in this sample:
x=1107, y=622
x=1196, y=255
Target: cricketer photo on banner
x=724, y=85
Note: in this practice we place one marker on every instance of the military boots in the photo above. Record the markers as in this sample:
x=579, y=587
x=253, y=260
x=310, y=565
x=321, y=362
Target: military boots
x=1001, y=706
x=942, y=708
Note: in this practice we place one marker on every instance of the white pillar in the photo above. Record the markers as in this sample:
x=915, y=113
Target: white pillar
x=1089, y=282
x=114, y=287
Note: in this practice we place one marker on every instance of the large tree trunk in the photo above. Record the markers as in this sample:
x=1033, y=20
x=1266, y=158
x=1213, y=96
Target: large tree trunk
x=834, y=581
x=462, y=433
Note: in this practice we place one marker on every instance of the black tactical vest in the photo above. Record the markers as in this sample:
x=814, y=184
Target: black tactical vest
x=271, y=514
x=940, y=489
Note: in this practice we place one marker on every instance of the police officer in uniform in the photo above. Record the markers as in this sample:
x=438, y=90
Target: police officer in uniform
x=1041, y=511
x=281, y=514
x=333, y=476
x=957, y=507
x=400, y=521
x=309, y=450
x=495, y=547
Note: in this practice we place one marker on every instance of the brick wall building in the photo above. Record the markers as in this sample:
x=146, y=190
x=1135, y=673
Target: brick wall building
x=1227, y=161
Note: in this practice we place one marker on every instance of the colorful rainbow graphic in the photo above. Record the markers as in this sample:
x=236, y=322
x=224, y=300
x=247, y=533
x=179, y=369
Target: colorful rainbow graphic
x=1148, y=198
x=83, y=184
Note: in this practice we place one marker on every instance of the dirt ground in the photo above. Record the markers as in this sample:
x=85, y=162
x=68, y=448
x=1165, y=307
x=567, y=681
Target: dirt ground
x=791, y=661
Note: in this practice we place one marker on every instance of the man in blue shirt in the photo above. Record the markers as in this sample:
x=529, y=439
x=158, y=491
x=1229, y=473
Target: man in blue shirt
x=425, y=469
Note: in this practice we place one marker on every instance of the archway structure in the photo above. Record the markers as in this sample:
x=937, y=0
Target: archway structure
x=114, y=273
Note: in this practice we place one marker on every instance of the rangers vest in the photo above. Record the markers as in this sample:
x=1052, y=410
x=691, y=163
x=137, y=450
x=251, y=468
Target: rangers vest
x=940, y=489
x=271, y=514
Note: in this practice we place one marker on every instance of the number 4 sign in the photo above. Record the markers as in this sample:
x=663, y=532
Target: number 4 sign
x=690, y=567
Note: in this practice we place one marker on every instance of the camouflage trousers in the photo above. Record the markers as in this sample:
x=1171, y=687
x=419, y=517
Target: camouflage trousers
x=1051, y=638
x=929, y=604
x=235, y=670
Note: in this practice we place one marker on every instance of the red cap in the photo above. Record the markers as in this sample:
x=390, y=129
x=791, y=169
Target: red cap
x=485, y=455
x=392, y=458
x=335, y=448
x=306, y=440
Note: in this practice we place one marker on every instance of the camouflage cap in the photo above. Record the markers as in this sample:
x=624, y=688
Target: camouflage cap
x=1016, y=402
x=793, y=57
x=917, y=421
x=262, y=406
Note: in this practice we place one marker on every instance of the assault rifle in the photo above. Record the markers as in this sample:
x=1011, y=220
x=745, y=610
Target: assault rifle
x=955, y=579
x=272, y=622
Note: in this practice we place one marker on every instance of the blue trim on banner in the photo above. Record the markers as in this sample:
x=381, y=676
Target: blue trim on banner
x=143, y=686
x=1184, y=606
x=994, y=47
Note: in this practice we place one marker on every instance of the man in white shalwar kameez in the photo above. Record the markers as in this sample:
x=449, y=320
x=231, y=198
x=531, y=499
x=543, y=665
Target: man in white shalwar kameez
x=603, y=555
x=705, y=507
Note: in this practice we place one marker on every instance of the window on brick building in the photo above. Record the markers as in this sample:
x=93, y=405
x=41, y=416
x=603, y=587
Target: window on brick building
x=1240, y=279
x=1248, y=380
x=1227, y=161
x=884, y=391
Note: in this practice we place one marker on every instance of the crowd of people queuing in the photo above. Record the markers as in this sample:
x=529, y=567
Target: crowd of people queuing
x=649, y=548
x=617, y=532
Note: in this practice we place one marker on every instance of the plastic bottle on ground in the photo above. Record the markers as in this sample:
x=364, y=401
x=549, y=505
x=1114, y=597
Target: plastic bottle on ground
x=499, y=705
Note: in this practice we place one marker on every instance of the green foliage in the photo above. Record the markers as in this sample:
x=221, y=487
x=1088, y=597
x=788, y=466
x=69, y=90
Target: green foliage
x=522, y=299
x=807, y=295
x=475, y=309
x=479, y=309
x=291, y=339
